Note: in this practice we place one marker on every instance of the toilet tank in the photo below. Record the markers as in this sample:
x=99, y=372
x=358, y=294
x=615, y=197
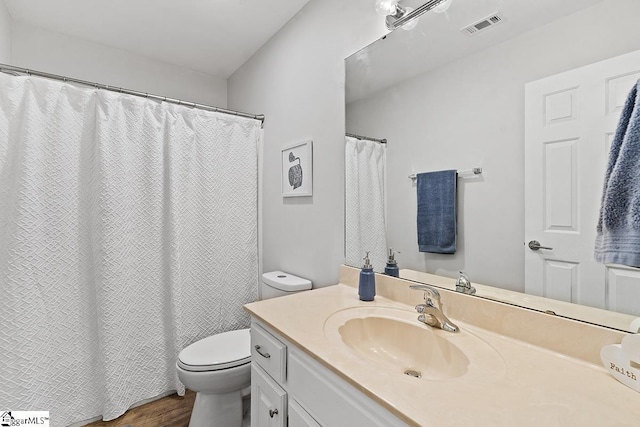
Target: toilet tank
x=278, y=283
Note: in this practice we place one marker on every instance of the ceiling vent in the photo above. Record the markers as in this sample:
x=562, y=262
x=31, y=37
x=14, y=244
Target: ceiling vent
x=483, y=24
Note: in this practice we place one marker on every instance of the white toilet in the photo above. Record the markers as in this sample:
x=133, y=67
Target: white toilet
x=218, y=368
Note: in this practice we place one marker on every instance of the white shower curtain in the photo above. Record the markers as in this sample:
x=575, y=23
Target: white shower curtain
x=365, y=219
x=128, y=229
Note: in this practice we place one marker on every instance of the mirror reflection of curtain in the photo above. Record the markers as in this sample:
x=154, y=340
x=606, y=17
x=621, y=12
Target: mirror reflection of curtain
x=365, y=216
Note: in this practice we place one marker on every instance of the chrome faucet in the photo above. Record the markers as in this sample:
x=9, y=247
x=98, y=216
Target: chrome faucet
x=431, y=311
x=463, y=285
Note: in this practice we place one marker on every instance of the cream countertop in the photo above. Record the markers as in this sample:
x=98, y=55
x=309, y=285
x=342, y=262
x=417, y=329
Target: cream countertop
x=529, y=386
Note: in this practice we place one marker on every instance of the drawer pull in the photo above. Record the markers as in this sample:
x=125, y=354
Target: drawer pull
x=273, y=412
x=266, y=356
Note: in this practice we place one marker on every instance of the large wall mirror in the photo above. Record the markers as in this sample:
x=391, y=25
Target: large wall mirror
x=447, y=98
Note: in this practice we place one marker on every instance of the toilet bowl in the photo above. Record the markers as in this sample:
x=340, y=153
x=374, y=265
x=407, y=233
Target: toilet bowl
x=218, y=368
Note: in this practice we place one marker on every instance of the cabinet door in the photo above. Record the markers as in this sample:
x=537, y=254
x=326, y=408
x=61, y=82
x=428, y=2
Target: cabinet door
x=330, y=400
x=298, y=417
x=268, y=400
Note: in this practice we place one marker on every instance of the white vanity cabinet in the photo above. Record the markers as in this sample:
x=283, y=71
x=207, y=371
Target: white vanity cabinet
x=299, y=417
x=290, y=388
x=268, y=372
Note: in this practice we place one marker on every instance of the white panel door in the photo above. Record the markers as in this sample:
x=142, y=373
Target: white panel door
x=570, y=120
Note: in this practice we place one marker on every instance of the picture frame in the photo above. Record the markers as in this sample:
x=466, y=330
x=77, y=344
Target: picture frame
x=297, y=169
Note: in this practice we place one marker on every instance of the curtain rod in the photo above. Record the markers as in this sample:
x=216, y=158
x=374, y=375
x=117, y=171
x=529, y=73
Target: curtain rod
x=10, y=69
x=353, y=135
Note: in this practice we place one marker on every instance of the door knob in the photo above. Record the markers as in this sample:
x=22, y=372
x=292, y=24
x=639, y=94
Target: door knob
x=534, y=245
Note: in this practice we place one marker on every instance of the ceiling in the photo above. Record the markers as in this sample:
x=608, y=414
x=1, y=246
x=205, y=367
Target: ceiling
x=211, y=36
x=437, y=40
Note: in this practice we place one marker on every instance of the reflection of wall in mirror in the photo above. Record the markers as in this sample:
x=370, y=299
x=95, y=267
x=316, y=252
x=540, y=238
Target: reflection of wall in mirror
x=471, y=113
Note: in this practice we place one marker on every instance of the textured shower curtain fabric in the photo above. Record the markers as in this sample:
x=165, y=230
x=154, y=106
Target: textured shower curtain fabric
x=365, y=223
x=128, y=230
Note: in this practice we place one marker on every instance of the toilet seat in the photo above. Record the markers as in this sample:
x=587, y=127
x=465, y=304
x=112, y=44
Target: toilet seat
x=217, y=352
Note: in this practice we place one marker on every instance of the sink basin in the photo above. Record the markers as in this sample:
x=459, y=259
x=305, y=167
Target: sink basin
x=394, y=341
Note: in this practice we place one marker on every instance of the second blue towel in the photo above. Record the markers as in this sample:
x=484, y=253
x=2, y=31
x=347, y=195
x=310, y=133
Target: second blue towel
x=618, y=232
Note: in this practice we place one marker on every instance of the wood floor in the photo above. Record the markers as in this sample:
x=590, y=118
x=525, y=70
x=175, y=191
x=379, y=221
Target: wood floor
x=171, y=411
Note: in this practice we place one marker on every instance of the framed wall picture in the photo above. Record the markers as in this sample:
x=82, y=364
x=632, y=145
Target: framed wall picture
x=297, y=169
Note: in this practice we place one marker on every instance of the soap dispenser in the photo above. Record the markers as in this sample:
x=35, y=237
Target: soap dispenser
x=392, y=265
x=367, y=285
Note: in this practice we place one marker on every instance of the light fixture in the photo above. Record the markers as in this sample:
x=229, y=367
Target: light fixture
x=443, y=6
x=410, y=25
x=386, y=7
x=399, y=16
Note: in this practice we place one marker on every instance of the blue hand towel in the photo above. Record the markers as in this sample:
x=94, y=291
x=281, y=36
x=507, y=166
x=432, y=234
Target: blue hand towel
x=437, y=212
x=618, y=238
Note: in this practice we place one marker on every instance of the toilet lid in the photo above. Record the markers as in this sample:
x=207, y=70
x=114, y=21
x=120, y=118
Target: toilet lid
x=286, y=282
x=220, y=351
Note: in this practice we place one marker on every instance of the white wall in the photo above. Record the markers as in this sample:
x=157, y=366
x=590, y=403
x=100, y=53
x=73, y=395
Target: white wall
x=56, y=53
x=471, y=113
x=297, y=81
x=5, y=34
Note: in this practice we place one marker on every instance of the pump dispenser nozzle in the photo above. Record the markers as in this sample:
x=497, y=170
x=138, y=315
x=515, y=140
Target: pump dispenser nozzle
x=367, y=262
x=391, y=259
x=392, y=265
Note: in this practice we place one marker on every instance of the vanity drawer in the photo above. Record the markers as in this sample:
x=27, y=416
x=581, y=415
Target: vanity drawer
x=268, y=352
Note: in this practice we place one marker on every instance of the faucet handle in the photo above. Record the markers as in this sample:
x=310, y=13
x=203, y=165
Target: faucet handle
x=430, y=293
x=463, y=278
x=463, y=284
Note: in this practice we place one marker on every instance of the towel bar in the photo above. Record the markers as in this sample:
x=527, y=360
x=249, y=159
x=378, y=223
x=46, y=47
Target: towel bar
x=476, y=171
